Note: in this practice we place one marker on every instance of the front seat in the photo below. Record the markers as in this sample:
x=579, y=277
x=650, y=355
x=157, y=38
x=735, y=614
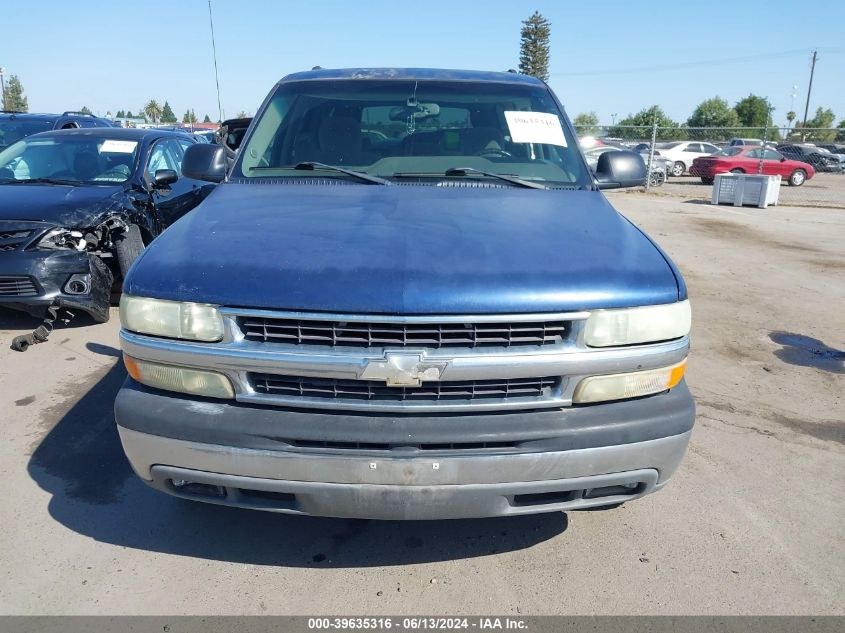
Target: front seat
x=340, y=141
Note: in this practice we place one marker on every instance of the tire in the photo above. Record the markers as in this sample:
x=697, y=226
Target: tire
x=706, y=180
x=798, y=178
x=737, y=171
x=657, y=178
x=127, y=248
x=678, y=169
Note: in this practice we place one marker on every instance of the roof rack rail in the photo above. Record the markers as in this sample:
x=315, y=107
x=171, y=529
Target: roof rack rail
x=67, y=112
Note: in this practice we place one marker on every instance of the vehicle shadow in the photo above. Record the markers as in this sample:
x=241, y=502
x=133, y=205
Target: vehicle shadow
x=81, y=464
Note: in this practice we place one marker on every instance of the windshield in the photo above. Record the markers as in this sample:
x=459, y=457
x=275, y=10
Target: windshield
x=413, y=129
x=13, y=129
x=74, y=158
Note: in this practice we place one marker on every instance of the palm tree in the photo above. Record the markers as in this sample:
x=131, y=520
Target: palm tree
x=153, y=110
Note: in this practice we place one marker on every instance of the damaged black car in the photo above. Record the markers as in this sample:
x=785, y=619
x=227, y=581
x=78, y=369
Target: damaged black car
x=77, y=207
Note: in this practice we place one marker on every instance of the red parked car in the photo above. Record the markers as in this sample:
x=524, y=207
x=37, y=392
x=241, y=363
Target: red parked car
x=745, y=160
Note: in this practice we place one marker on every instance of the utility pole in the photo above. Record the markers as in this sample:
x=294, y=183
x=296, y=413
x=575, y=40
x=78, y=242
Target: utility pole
x=810, y=87
x=3, y=85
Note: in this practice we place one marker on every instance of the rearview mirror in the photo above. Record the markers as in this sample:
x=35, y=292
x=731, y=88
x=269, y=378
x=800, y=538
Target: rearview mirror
x=164, y=178
x=616, y=170
x=205, y=162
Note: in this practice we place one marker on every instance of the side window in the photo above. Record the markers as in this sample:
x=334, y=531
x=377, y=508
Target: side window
x=709, y=149
x=184, y=144
x=754, y=153
x=694, y=147
x=165, y=154
x=771, y=154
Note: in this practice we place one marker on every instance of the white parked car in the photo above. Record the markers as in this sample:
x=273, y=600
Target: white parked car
x=682, y=153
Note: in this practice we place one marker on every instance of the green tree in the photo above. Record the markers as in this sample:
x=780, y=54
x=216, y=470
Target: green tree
x=206, y=119
x=586, y=124
x=167, y=115
x=817, y=128
x=153, y=111
x=755, y=113
x=840, y=136
x=85, y=110
x=120, y=115
x=790, y=117
x=15, y=99
x=712, y=113
x=639, y=126
x=129, y=114
x=534, y=47
x=242, y=114
x=189, y=117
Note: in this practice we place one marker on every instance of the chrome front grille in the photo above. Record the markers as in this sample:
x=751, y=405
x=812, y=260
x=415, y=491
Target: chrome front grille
x=311, y=364
x=437, y=335
x=18, y=287
x=505, y=390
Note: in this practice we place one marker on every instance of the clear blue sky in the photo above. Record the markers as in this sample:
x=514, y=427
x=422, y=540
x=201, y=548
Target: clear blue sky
x=117, y=55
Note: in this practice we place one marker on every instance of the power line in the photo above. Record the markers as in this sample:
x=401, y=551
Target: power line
x=214, y=51
x=695, y=64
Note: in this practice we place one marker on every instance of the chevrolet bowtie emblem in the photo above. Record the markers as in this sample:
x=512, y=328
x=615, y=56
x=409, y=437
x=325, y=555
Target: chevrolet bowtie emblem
x=403, y=370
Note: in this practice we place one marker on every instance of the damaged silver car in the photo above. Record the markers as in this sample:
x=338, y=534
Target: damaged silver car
x=77, y=207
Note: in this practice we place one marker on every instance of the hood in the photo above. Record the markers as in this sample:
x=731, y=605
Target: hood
x=404, y=250
x=68, y=206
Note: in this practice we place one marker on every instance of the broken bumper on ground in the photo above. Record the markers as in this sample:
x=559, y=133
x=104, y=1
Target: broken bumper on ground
x=248, y=456
x=34, y=280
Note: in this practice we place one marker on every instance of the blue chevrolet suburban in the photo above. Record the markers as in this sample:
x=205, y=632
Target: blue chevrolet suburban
x=408, y=298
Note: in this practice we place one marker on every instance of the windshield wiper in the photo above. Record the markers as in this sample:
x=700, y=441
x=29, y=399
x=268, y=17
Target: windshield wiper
x=49, y=181
x=471, y=171
x=311, y=166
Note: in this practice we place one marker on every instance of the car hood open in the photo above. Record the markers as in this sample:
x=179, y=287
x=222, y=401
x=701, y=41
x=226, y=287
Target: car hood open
x=69, y=206
x=405, y=250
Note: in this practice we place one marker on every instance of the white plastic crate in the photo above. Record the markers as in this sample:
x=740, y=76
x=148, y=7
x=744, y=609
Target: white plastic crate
x=746, y=190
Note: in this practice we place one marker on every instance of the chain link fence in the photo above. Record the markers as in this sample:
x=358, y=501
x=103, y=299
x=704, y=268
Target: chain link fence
x=815, y=178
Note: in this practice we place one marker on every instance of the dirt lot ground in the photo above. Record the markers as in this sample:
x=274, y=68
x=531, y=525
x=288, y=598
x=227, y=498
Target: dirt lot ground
x=824, y=190
x=751, y=524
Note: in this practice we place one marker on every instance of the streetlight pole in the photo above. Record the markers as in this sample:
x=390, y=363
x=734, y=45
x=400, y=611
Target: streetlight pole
x=613, y=116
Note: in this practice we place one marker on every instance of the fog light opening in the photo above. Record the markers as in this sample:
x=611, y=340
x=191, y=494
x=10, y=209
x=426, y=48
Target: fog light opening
x=78, y=284
x=197, y=489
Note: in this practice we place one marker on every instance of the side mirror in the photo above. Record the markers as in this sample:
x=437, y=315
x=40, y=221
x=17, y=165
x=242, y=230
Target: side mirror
x=616, y=170
x=164, y=178
x=205, y=162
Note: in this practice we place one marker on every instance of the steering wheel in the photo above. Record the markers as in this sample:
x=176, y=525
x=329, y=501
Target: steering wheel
x=492, y=151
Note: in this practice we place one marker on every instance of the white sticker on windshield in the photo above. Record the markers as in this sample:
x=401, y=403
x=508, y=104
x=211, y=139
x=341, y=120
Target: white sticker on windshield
x=535, y=127
x=118, y=147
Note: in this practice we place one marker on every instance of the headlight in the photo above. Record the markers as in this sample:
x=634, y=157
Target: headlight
x=183, y=379
x=648, y=324
x=631, y=385
x=173, y=319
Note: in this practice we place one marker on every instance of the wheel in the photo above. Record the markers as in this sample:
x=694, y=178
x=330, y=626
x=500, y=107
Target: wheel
x=127, y=248
x=678, y=169
x=707, y=180
x=737, y=171
x=797, y=178
x=657, y=178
